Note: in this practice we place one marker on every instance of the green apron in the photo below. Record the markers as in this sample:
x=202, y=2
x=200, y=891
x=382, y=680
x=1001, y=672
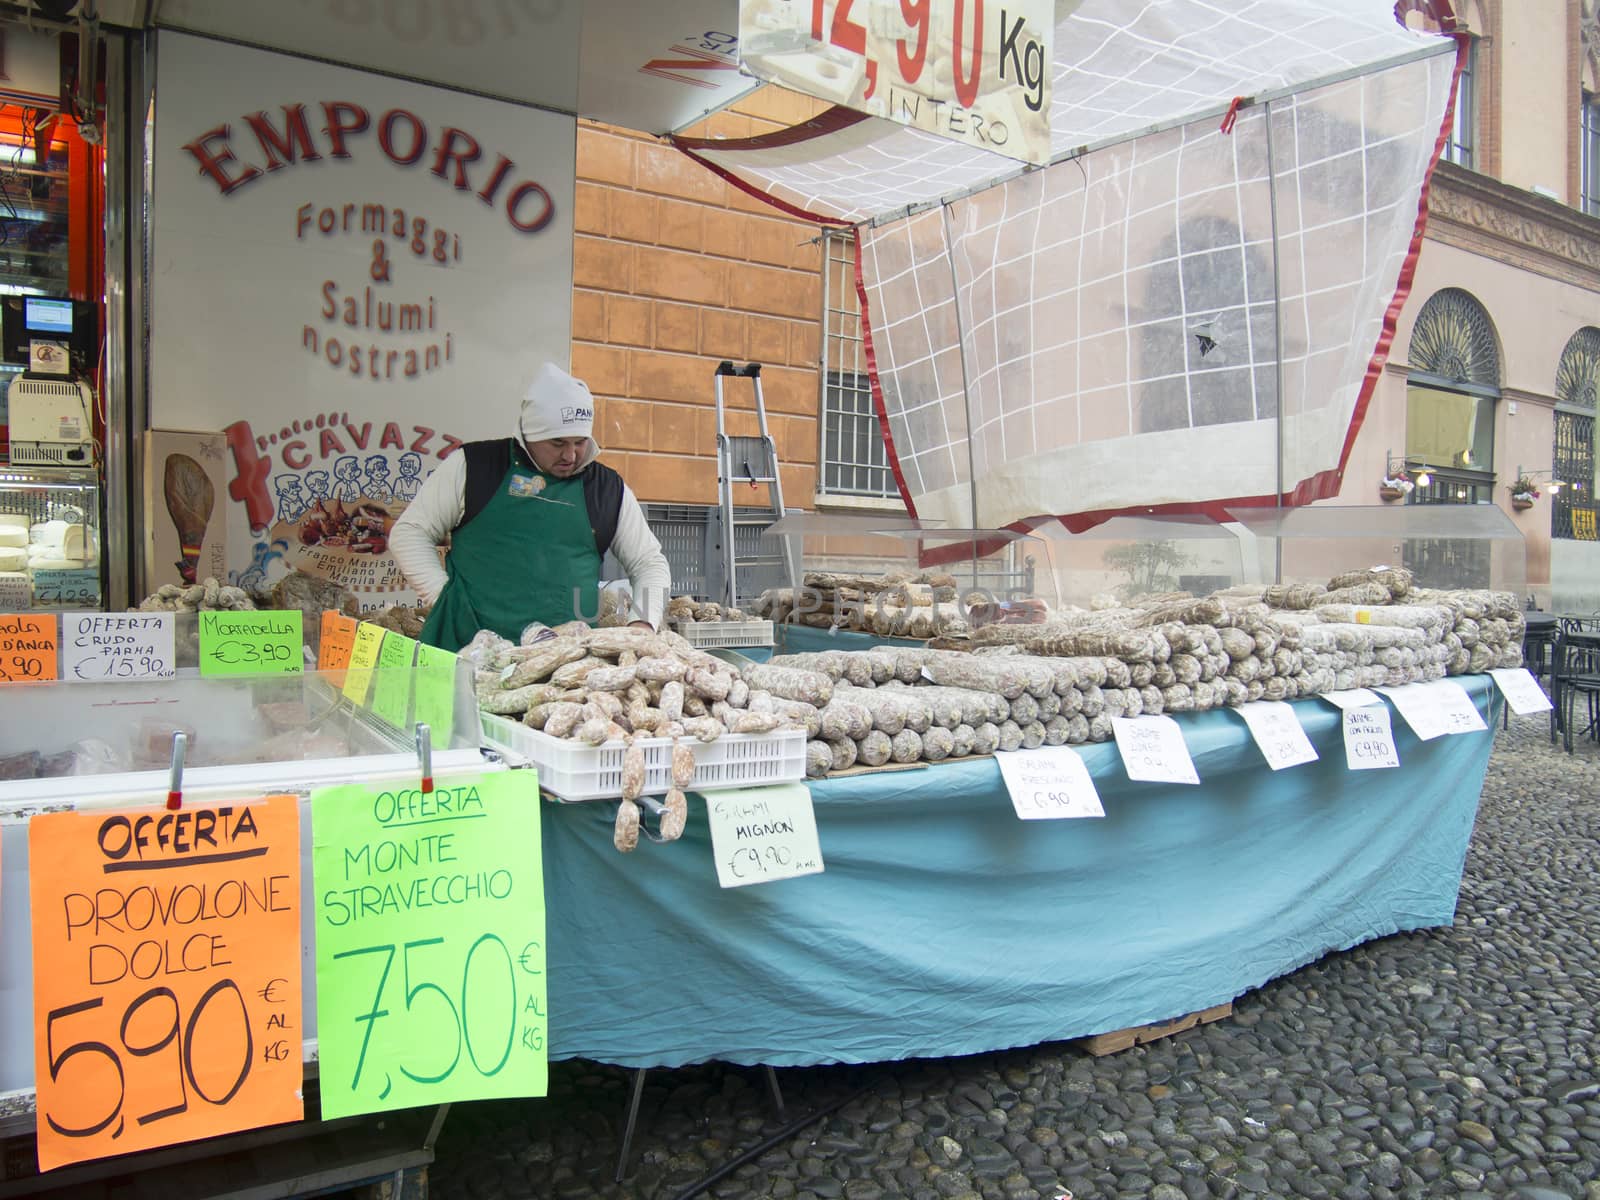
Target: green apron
x=528, y=556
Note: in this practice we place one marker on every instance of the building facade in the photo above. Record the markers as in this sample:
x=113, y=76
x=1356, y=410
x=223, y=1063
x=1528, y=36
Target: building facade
x=1490, y=383
x=1489, y=392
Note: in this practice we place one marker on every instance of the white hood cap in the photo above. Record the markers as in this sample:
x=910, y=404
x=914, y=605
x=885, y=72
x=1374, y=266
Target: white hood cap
x=556, y=405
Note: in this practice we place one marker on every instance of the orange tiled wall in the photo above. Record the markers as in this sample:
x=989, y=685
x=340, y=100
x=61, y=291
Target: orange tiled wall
x=675, y=270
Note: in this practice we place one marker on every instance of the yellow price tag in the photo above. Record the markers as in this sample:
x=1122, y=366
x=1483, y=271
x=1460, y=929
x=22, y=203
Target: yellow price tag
x=1363, y=617
x=363, y=657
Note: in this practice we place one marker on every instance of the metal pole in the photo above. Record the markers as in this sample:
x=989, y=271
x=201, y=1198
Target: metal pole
x=966, y=387
x=1277, y=340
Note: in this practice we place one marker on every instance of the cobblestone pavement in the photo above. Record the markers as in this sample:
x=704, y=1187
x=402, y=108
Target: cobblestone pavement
x=1450, y=1062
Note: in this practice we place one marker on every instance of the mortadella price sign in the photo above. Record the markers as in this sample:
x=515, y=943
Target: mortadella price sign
x=430, y=943
x=166, y=975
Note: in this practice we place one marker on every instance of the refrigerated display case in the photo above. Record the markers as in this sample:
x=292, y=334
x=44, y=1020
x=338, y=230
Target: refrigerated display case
x=90, y=745
x=50, y=539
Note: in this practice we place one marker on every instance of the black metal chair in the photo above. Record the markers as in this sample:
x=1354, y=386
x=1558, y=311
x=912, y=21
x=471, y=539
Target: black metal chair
x=1538, y=638
x=1574, y=672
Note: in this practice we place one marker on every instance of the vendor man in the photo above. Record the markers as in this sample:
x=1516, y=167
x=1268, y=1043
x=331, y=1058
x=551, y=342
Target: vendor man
x=529, y=519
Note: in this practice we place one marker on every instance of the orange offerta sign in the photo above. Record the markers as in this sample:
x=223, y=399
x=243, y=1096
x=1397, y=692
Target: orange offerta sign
x=166, y=975
x=338, y=636
x=27, y=647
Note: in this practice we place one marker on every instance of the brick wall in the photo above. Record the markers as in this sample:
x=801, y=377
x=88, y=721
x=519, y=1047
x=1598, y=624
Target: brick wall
x=675, y=270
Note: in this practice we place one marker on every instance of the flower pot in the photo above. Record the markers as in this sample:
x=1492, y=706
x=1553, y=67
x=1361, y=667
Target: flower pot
x=1521, y=502
x=1391, y=493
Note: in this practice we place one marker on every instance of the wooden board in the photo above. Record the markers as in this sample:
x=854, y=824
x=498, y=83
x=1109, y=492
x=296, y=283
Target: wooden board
x=1121, y=1039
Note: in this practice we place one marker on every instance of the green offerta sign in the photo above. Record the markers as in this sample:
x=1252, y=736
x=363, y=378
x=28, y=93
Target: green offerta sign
x=430, y=943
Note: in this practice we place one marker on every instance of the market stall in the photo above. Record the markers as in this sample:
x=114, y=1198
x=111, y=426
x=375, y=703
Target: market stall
x=944, y=925
x=931, y=914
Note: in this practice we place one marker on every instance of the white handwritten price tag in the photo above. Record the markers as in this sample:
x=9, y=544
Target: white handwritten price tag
x=1049, y=783
x=1521, y=690
x=1278, y=733
x=760, y=835
x=66, y=586
x=1461, y=715
x=1368, y=739
x=1353, y=698
x=14, y=591
x=1422, y=709
x=117, y=646
x=1153, y=750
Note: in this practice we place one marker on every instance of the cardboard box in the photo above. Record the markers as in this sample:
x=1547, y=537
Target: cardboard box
x=185, y=507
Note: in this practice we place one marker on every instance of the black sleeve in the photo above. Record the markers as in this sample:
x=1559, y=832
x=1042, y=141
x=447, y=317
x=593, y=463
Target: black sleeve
x=602, y=495
x=487, y=464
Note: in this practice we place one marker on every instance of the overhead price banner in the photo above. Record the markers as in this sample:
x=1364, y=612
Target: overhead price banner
x=974, y=71
x=166, y=975
x=430, y=943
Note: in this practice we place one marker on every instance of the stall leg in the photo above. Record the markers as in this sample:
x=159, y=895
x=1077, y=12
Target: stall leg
x=774, y=1091
x=633, y=1117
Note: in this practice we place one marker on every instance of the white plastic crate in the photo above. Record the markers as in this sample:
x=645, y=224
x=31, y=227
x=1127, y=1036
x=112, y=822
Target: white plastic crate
x=709, y=635
x=574, y=771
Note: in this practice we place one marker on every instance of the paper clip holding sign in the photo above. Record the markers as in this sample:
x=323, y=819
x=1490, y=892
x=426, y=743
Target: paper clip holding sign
x=425, y=756
x=670, y=818
x=180, y=746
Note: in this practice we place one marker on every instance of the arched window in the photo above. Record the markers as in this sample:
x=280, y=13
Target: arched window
x=1577, y=392
x=1453, y=387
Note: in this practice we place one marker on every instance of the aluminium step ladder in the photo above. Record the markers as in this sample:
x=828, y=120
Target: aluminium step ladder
x=744, y=562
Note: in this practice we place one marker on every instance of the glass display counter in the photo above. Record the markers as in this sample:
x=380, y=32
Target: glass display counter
x=83, y=745
x=1442, y=545
x=1125, y=558
x=49, y=538
x=897, y=576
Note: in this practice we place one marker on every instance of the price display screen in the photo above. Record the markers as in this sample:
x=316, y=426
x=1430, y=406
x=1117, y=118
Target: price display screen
x=166, y=974
x=430, y=942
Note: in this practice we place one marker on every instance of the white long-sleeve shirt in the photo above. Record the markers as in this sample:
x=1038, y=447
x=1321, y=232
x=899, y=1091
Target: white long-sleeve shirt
x=441, y=504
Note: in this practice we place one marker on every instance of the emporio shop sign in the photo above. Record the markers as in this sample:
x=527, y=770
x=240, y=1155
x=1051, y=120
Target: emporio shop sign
x=351, y=276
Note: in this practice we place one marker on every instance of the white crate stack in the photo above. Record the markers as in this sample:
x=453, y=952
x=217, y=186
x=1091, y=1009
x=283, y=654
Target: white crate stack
x=575, y=771
x=724, y=635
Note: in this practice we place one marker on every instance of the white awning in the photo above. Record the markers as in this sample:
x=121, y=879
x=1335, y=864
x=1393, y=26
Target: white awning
x=651, y=65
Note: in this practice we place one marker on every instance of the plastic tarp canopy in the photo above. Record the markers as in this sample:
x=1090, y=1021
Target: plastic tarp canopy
x=1177, y=313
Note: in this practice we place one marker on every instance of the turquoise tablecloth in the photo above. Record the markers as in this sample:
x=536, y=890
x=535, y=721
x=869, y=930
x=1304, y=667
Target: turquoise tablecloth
x=943, y=925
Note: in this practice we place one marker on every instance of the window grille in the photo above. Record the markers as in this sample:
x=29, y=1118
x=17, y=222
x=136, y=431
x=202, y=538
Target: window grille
x=854, y=461
x=1577, y=389
x=1454, y=340
x=1455, y=366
